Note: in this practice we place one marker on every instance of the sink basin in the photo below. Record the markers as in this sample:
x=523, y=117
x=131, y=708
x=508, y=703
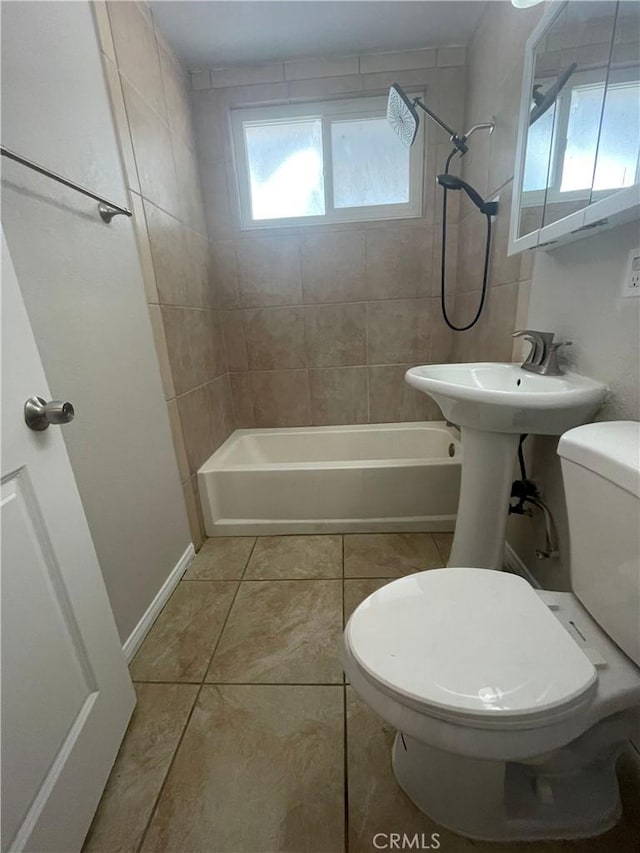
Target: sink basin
x=504, y=398
x=493, y=404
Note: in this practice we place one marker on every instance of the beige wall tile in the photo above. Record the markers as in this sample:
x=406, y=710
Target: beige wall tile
x=234, y=339
x=168, y=250
x=247, y=75
x=323, y=87
x=162, y=351
x=399, y=262
x=152, y=147
x=269, y=271
x=339, y=395
x=103, y=26
x=391, y=400
x=155, y=729
x=122, y=125
x=520, y=346
x=502, y=142
x=199, y=274
x=490, y=339
x=336, y=334
x=137, y=52
x=218, y=210
x=144, y=249
x=281, y=398
x=189, y=188
x=176, y=92
x=242, y=400
x=275, y=338
x=194, y=513
x=330, y=66
x=374, y=62
x=504, y=268
x=178, y=440
x=333, y=266
x=452, y=56
x=419, y=78
x=195, y=417
x=398, y=331
x=225, y=274
x=200, y=80
x=176, y=329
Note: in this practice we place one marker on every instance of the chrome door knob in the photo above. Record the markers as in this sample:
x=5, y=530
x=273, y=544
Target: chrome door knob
x=38, y=414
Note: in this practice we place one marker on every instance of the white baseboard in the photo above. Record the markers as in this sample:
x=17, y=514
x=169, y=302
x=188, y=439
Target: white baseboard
x=514, y=564
x=134, y=640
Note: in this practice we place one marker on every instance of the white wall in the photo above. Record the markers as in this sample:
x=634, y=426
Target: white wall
x=82, y=284
x=575, y=292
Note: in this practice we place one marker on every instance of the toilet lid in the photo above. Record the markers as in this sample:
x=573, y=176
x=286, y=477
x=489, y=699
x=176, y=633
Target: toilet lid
x=470, y=643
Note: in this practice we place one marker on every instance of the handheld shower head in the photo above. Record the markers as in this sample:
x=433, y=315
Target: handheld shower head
x=451, y=182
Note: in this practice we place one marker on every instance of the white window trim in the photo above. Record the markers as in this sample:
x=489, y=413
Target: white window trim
x=325, y=111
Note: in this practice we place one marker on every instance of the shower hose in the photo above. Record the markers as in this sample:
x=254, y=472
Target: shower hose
x=485, y=275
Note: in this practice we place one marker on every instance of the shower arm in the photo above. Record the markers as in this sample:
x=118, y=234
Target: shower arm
x=458, y=141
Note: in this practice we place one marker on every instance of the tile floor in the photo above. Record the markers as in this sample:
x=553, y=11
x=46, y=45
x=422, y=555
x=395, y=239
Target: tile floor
x=246, y=739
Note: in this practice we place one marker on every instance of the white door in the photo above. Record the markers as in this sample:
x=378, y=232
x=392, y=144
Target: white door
x=66, y=692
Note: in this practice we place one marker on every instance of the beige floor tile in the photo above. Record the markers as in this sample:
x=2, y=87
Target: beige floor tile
x=152, y=737
x=296, y=557
x=260, y=770
x=357, y=589
x=385, y=555
x=443, y=541
x=181, y=642
x=376, y=802
x=223, y=558
x=282, y=632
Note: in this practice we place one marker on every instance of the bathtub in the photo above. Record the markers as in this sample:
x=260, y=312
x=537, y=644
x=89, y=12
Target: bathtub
x=336, y=479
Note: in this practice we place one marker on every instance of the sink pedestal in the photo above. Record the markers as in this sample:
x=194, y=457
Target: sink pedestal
x=487, y=474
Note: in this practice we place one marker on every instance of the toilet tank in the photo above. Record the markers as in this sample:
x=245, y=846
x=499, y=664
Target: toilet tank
x=601, y=474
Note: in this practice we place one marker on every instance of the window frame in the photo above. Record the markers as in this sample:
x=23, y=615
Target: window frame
x=344, y=109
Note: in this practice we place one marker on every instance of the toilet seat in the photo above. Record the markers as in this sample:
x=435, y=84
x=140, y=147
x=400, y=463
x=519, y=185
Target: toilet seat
x=471, y=646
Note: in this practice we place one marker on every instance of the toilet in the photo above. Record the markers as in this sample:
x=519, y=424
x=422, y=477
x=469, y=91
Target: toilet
x=512, y=704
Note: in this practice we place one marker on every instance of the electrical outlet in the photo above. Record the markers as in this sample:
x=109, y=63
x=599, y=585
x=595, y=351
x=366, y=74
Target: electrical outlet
x=631, y=284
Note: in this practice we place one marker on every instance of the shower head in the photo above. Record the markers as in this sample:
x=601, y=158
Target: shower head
x=452, y=182
x=403, y=118
x=402, y=115
x=545, y=100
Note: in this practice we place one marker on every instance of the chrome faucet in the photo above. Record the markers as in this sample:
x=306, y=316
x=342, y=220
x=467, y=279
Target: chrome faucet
x=543, y=355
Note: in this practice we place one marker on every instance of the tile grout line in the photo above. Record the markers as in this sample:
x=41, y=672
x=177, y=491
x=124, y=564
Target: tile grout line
x=344, y=728
x=193, y=707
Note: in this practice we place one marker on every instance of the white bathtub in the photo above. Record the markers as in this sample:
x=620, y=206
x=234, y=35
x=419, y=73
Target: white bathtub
x=375, y=477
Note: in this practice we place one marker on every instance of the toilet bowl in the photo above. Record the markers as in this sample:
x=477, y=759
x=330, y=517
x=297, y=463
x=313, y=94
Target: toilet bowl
x=512, y=704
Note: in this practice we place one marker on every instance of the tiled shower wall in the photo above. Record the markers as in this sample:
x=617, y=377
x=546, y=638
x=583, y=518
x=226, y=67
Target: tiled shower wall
x=495, y=59
x=321, y=322
x=149, y=92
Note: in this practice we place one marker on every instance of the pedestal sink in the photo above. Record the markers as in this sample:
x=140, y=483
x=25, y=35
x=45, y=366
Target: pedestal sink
x=493, y=404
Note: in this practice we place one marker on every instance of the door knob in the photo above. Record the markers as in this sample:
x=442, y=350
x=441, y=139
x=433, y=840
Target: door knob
x=38, y=414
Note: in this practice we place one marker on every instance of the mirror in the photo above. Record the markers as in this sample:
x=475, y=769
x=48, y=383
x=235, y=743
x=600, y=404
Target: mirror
x=580, y=131
x=619, y=142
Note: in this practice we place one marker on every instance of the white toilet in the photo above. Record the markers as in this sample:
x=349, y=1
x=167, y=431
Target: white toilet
x=513, y=704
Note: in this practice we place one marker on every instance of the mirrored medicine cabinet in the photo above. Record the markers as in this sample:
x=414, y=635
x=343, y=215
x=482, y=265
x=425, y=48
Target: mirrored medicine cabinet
x=577, y=157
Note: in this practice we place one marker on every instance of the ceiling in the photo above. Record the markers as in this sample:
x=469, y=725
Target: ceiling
x=210, y=33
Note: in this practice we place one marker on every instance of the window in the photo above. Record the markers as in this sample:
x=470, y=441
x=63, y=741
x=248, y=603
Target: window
x=338, y=161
